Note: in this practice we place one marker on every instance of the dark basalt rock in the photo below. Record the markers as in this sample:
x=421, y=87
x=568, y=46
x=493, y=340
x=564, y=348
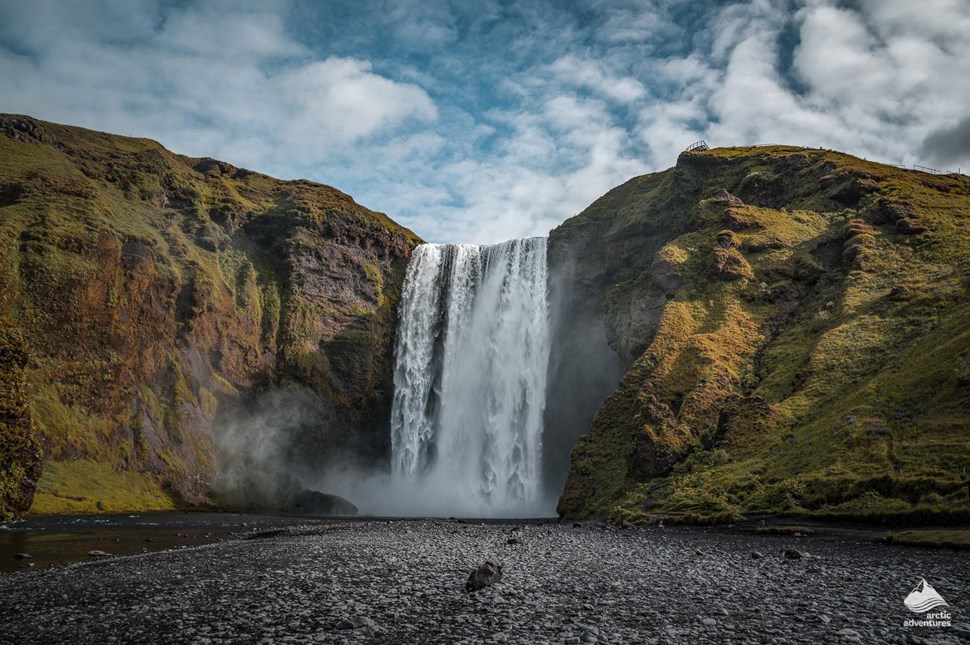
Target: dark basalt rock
x=313, y=502
x=484, y=576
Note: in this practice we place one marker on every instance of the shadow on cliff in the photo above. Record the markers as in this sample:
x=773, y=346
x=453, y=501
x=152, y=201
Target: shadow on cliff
x=583, y=368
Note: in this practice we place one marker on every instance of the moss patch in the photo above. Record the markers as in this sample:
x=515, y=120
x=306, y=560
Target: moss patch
x=79, y=486
x=934, y=539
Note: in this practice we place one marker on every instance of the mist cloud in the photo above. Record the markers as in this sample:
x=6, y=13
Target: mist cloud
x=253, y=441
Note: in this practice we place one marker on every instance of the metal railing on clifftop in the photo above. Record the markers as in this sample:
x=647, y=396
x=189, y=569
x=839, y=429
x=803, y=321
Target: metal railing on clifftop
x=697, y=146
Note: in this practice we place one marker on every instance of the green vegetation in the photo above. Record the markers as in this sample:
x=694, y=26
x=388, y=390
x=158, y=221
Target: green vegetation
x=937, y=539
x=86, y=486
x=149, y=288
x=20, y=456
x=791, y=346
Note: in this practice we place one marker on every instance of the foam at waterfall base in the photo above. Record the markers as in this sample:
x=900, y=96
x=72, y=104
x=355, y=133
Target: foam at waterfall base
x=386, y=495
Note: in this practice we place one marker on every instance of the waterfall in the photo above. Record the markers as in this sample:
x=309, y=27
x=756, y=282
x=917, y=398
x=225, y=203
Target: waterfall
x=470, y=376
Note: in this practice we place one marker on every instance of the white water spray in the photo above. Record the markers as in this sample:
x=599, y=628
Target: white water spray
x=470, y=378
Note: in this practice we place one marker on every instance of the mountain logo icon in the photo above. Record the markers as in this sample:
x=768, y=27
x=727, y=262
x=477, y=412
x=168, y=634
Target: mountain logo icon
x=923, y=598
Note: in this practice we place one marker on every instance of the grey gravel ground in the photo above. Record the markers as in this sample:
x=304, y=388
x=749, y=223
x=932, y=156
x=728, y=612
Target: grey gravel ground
x=403, y=582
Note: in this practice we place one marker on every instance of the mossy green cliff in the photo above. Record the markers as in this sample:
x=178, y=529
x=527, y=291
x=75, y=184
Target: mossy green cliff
x=795, y=329
x=152, y=290
x=20, y=463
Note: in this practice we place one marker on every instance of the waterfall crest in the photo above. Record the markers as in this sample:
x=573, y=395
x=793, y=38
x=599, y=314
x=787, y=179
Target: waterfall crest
x=470, y=376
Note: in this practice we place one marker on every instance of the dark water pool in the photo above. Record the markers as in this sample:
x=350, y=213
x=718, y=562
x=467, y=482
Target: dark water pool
x=52, y=541
x=63, y=539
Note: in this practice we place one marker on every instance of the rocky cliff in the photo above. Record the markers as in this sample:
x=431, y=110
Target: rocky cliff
x=794, y=328
x=20, y=457
x=157, y=296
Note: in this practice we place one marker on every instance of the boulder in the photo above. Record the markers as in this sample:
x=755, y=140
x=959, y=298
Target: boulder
x=484, y=576
x=313, y=502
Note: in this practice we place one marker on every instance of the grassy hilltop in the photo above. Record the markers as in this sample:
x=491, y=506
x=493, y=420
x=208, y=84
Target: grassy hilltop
x=795, y=328
x=141, y=290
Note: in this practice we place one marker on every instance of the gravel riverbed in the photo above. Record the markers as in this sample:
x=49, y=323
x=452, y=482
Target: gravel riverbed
x=403, y=582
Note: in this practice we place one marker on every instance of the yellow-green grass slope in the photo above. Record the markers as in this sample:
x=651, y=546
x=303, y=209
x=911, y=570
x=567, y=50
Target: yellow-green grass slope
x=152, y=288
x=797, y=338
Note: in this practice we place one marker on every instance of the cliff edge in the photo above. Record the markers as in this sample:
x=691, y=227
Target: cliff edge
x=794, y=328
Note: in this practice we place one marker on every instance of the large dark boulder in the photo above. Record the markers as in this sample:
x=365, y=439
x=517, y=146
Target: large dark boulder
x=313, y=502
x=484, y=576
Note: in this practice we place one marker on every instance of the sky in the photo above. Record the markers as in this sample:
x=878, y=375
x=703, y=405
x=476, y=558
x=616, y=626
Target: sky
x=480, y=121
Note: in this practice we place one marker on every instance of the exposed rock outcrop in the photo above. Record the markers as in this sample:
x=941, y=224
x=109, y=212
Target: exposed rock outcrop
x=20, y=456
x=792, y=325
x=159, y=293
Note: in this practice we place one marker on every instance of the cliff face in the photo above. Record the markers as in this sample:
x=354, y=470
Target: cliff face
x=20, y=458
x=154, y=292
x=794, y=327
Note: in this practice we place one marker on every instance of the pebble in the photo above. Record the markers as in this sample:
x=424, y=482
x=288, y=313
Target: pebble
x=404, y=582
